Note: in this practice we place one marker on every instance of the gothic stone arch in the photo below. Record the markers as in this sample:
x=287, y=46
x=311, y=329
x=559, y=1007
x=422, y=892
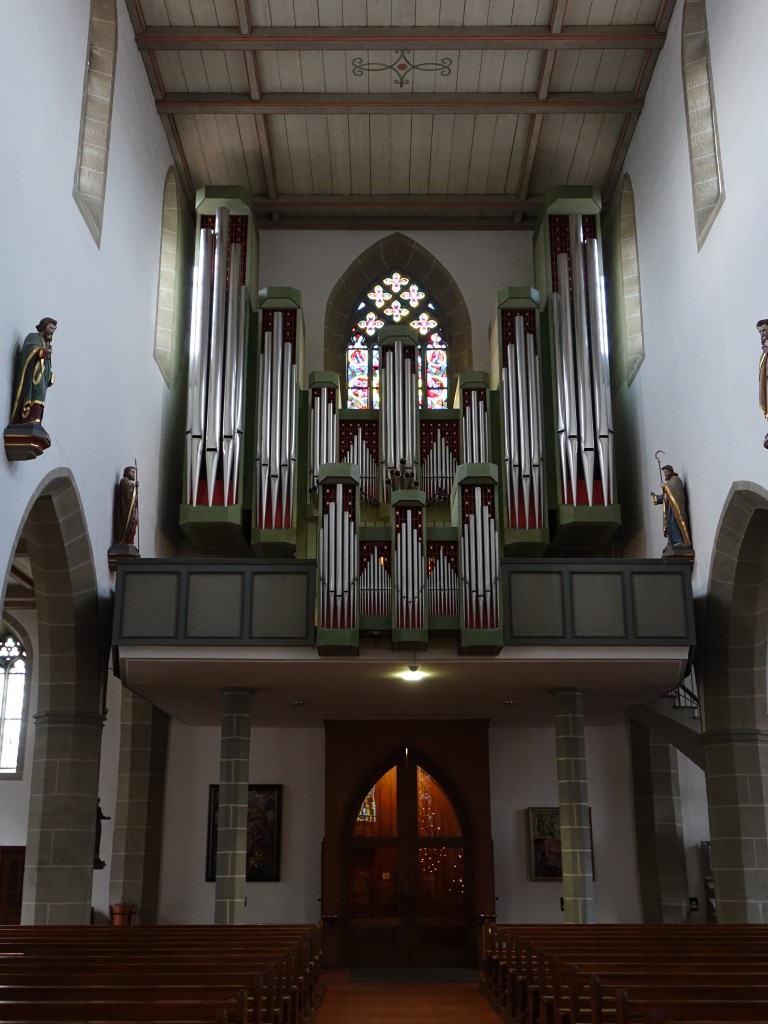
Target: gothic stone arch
x=734, y=677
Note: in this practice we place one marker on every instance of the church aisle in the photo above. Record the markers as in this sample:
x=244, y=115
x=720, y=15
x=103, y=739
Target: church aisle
x=348, y=1002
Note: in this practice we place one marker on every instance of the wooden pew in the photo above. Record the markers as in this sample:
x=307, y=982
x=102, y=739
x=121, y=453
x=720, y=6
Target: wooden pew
x=267, y=974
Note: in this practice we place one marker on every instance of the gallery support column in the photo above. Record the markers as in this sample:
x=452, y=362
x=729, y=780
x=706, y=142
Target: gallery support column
x=137, y=832
x=575, y=838
x=232, y=831
x=658, y=828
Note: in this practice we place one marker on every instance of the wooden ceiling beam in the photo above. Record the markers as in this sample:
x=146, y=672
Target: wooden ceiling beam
x=402, y=221
x=569, y=37
x=400, y=103
x=435, y=205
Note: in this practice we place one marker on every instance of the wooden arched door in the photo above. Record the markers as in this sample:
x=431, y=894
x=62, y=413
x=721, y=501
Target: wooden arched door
x=408, y=899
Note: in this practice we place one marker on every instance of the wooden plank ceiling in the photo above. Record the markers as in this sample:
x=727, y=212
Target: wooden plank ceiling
x=399, y=113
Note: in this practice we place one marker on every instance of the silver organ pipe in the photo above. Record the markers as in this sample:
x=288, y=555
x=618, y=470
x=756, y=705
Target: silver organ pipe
x=323, y=434
x=439, y=450
x=600, y=369
x=233, y=375
x=358, y=447
x=399, y=398
x=475, y=424
x=375, y=578
x=198, y=362
x=338, y=562
x=216, y=365
x=523, y=441
x=277, y=440
x=480, y=563
x=585, y=424
x=409, y=582
x=216, y=351
x=442, y=578
x=567, y=369
x=583, y=362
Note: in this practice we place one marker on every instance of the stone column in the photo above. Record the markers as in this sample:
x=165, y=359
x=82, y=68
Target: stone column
x=575, y=832
x=61, y=832
x=658, y=828
x=232, y=830
x=737, y=793
x=138, y=813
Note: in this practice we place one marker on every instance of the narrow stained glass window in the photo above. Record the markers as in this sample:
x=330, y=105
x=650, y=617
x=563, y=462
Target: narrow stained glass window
x=13, y=683
x=396, y=299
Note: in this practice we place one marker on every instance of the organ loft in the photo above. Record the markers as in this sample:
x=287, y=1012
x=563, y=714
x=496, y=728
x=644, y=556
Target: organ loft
x=404, y=480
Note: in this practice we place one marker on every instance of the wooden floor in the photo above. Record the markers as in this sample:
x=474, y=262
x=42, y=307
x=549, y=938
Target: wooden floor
x=362, y=1002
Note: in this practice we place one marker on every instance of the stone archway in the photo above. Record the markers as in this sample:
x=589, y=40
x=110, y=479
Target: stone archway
x=398, y=251
x=70, y=707
x=735, y=711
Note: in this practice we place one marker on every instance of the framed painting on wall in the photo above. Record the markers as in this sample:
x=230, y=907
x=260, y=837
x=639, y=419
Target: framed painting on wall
x=546, y=859
x=262, y=857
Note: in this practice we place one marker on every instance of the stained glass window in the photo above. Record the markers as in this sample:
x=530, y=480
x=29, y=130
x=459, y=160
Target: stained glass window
x=13, y=684
x=396, y=299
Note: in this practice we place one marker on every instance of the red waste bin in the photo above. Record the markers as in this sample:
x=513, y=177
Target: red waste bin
x=122, y=913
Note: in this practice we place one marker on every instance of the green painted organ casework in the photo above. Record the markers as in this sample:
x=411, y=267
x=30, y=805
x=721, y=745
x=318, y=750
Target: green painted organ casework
x=405, y=484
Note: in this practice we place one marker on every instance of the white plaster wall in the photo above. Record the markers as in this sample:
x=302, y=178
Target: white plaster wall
x=107, y=405
x=695, y=395
x=523, y=775
x=481, y=262
x=293, y=758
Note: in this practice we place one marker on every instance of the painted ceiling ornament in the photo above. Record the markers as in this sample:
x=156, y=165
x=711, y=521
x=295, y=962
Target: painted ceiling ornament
x=402, y=65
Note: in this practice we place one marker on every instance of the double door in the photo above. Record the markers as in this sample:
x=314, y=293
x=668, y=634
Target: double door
x=408, y=899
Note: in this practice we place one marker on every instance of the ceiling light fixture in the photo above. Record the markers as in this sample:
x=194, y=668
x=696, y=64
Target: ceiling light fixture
x=412, y=674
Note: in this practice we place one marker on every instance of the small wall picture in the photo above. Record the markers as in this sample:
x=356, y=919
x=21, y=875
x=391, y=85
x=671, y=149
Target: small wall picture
x=545, y=854
x=262, y=859
x=544, y=842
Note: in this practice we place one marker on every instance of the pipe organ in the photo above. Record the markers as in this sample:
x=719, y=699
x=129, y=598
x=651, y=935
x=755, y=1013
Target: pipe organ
x=276, y=438
x=324, y=425
x=338, y=549
x=399, y=415
x=405, y=510
x=521, y=406
x=409, y=604
x=216, y=364
x=576, y=319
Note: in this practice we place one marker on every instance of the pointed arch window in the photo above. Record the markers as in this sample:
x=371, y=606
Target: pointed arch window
x=399, y=300
x=96, y=115
x=703, y=142
x=634, y=345
x=165, y=321
x=13, y=705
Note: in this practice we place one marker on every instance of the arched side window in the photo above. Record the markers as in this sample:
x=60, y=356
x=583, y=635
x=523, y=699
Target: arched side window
x=96, y=115
x=396, y=299
x=13, y=706
x=703, y=143
x=634, y=346
x=167, y=282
